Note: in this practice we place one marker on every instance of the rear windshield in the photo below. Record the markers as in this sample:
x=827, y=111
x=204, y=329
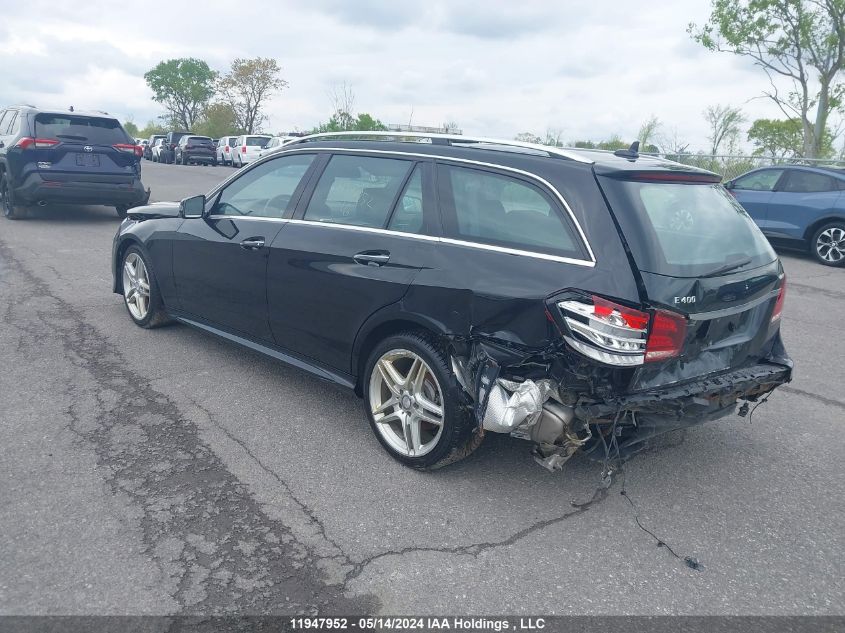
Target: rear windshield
x=84, y=129
x=685, y=229
x=201, y=140
x=256, y=141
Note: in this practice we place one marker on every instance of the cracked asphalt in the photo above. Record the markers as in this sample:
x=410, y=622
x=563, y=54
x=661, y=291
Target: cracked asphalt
x=167, y=471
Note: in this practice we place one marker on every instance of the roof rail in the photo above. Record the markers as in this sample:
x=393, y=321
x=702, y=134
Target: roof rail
x=454, y=140
x=21, y=105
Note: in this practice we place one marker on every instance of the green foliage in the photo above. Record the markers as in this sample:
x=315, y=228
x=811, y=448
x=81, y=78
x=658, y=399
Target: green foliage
x=724, y=124
x=779, y=139
x=218, y=120
x=528, y=137
x=342, y=121
x=132, y=129
x=802, y=41
x=648, y=132
x=246, y=88
x=613, y=143
x=151, y=128
x=184, y=87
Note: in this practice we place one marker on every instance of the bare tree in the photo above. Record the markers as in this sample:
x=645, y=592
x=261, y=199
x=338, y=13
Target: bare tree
x=554, y=137
x=672, y=143
x=648, y=132
x=342, y=98
x=798, y=41
x=246, y=88
x=724, y=122
x=451, y=127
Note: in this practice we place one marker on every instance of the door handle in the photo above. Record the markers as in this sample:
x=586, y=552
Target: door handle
x=253, y=243
x=372, y=258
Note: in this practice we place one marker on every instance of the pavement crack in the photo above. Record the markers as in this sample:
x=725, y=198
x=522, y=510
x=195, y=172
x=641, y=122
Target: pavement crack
x=809, y=394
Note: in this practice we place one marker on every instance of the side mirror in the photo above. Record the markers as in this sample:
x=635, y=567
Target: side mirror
x=728, y=184
x=193, y=207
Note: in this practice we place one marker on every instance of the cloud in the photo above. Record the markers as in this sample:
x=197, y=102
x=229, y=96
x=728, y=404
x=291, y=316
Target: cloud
x=496, y=67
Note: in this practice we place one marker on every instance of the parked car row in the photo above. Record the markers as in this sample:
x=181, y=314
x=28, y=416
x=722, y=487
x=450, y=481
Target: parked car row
x=186, y=148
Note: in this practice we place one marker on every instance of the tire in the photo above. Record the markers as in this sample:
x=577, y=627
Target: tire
x=828, y=244
x=434, y=445
x=122, y=210
x=184, y=159
x=154, y=315
x=11, y=210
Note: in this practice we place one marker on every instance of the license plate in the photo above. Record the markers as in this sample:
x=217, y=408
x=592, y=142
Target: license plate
x=88, y=160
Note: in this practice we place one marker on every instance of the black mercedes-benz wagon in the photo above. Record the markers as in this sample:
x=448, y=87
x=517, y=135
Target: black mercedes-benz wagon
x=582, y=300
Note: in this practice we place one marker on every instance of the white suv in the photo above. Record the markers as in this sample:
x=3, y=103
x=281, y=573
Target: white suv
x=248, y=148
x=275, y=143
x=226, y=149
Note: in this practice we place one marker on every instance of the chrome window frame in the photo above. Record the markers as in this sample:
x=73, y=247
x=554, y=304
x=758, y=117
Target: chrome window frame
x=290, y=148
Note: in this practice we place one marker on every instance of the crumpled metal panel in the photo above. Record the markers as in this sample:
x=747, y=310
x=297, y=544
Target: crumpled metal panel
x=512, y=404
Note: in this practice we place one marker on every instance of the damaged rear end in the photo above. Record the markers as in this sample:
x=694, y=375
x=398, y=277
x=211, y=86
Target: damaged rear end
x=702, y=339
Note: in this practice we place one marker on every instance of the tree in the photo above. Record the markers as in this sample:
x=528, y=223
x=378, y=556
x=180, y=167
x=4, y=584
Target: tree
x=451, y=127
x=801, y=41
x=528, y=137
x=779, y=139
x=132, y=129
x=218, y=120
x=613, y=143
x=362, y=123
x=554, y=137
x=648, y=133
x=584, y=144
x=184, y=87
x=151, y=128
x=246, y=88
x=724, y=122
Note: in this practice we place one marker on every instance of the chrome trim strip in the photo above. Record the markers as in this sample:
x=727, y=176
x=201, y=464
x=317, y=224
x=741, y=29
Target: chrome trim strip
x=445, y=240
x=715, y=314
x=378, y=135
x=543, y=181
x=246, y=217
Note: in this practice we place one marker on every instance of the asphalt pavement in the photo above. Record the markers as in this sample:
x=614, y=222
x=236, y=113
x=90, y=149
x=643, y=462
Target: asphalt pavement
x=167, y=471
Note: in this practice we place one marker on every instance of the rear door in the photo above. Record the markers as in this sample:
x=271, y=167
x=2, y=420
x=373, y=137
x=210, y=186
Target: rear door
x=801, y=197
x=355, y=246
x=700, y=256
x=754, y=192
x=80, y=148
x=220, y=261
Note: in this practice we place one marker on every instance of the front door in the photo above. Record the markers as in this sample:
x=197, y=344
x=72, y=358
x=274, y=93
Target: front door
x=220, y=262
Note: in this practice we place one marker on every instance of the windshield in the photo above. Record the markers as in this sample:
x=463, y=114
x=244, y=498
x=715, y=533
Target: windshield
x=686, y=229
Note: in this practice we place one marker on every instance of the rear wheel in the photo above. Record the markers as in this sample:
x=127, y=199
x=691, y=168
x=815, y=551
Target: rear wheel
x=140, y=290
x=828, y=244
x=413, y=403
x=11, y=210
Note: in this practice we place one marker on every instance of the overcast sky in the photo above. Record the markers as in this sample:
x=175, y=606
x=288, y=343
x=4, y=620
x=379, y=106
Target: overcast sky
x=496, y=67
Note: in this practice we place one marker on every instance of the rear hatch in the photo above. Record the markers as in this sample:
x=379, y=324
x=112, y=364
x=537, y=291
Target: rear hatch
x=83, y=148
x=252, y=146
x=200, y=146
x=704, y=265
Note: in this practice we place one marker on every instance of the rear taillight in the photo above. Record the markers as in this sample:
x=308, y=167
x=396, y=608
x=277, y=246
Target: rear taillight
x=243, y=149
x=618, y=335
x=226, y=149
x=41, y=143
x=137, y=150
x=666, y=336
x=776, y=313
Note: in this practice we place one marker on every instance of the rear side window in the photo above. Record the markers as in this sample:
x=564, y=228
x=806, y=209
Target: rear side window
x=255, y=141
x=357, y=190
x=759, y=180
x=798, y=181
x=5, y=117
x=266, y=191
x=504, y=211
x=685, y=230
x=13, y=123
x=408, y=214
x=82, y=129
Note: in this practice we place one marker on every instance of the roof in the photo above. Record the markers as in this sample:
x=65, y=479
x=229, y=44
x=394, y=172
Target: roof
x=93, y=113
x=492, y=150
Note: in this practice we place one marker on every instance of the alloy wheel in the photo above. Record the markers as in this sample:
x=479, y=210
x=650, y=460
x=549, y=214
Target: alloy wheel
x=830, y=244
x=136, y=286
x=406, y=403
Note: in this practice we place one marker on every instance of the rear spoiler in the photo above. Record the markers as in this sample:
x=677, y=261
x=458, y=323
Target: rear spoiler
x=653, y=175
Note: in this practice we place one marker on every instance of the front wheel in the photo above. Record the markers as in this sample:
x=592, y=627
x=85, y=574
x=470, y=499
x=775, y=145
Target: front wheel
x=828, y=244
x=414, y=405
x=140, y=290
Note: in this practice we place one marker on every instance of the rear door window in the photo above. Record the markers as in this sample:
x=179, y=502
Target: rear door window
x=408, y=215
x=82, y=129
x=685, y=229
x=492, y=208
x=357, y=190
x=798, y=181
x=256, y=141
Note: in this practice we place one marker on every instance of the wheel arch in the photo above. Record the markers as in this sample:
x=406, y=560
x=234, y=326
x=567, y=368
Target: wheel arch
x=379, y=326
x=125, y=242
x=827, y=218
